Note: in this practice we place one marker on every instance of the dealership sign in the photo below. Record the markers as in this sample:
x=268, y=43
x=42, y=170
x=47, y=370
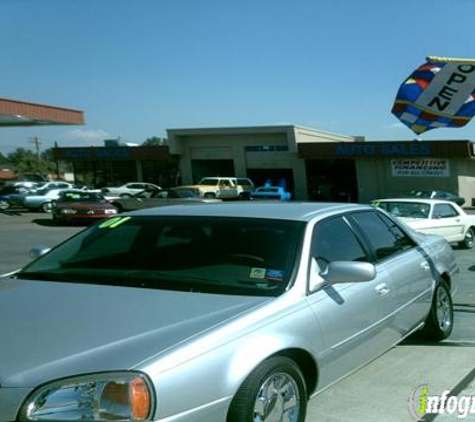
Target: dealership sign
x=423, y=167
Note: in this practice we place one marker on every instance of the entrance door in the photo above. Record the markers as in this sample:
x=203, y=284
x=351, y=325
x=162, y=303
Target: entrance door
x=332, y=180
x=211, y=168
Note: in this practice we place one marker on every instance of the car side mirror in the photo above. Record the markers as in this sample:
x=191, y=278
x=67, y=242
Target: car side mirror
x=349, y=272
x=38, y=251
x=340, y=272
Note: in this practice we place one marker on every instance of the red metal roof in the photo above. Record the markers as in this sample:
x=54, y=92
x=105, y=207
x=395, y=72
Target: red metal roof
x=19, y=113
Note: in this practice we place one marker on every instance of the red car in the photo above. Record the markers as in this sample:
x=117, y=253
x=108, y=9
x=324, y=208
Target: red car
x=77, y=205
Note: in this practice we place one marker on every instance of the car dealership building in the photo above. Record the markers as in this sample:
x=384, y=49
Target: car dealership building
x=313, y=164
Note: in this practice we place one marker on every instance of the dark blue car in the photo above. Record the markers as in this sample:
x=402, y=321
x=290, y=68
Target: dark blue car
x=11, y=196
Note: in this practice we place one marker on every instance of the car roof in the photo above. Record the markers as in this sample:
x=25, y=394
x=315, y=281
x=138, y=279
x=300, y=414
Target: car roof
x=219, y=177
x=415, y=200
x=301, y=211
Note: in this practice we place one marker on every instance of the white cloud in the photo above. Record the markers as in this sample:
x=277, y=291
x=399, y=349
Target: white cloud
x=396, y=125
x=322, y=123
x=87, y=136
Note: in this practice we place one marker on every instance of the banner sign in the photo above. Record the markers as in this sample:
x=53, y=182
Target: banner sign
x=424, y=167
x=438, y=94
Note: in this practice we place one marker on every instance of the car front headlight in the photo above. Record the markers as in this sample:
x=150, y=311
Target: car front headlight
x=68, y=211
x=117, y=396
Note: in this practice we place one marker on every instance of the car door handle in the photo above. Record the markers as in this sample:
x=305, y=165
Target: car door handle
x=425, y=266
x=382, y=289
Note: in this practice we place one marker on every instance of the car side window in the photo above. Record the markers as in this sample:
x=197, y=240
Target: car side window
x=444, y=211
x=333, y=240
x=384, y=236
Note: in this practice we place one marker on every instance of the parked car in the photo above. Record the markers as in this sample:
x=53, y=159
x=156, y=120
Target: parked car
x=223, y=187
x=40, y=200
x=271, y=192
x=222, y=312
x=159, y=198
x=79, y=205
x=129, y=189
x=10, y=196
x=28, y=181
x=52, y=185
x=437, y=194
x=433, y=216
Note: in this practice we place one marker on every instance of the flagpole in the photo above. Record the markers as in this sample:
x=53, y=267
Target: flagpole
x=449, y=59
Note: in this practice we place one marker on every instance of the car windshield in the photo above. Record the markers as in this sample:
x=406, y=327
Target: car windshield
x=406, y=209
x=210, y=182
x=81, y=197
x=199, y=254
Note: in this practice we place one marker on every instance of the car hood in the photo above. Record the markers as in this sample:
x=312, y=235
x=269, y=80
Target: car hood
x=84, y=205
x=51, y=330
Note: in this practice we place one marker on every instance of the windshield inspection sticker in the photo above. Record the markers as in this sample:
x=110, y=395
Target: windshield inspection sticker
x=114, y=222
x=258, y=273
x=274, y=275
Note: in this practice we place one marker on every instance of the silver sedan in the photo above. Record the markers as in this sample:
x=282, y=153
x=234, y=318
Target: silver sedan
x=224, y=312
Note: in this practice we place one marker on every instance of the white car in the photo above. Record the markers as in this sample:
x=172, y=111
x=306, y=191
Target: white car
x=223, y=187
x=433, y=216
x=128, y=190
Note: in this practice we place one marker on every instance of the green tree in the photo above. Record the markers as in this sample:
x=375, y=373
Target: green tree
x=26, y=161
x=154, y=140
x=3, y=159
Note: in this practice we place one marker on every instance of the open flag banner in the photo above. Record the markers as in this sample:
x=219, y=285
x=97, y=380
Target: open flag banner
x=440, y=93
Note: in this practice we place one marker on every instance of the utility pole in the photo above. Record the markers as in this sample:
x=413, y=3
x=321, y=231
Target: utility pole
x=37, y=141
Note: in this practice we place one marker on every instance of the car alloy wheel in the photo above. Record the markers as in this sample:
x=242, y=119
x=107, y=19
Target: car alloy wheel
x=444, y=309
x=467, y=242
x=4, y=205
x=439, y=323
x=275, y=391
x=47, y=207
x=278, y=399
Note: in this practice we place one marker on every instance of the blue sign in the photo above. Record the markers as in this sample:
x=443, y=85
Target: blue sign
x=404, y=149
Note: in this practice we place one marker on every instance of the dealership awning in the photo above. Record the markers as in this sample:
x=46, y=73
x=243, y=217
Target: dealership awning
x=17, y=113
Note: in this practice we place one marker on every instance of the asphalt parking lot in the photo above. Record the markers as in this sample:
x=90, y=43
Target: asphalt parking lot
x=379, y=391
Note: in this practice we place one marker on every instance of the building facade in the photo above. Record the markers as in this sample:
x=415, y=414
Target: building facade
x=312, y=164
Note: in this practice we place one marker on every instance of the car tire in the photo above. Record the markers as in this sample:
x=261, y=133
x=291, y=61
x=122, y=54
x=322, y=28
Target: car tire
x=245, y=196
x=467, y=242
x=119, y=207
x=4, y=205
x=46, y=207
x=125, y=195
x=440, y=321
x=209, y=195
x=256, y=401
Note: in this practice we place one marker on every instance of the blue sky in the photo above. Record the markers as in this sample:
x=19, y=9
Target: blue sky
x=139, y=67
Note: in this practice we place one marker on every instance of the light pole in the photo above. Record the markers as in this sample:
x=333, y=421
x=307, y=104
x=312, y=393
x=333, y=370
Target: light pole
x=37, y=141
